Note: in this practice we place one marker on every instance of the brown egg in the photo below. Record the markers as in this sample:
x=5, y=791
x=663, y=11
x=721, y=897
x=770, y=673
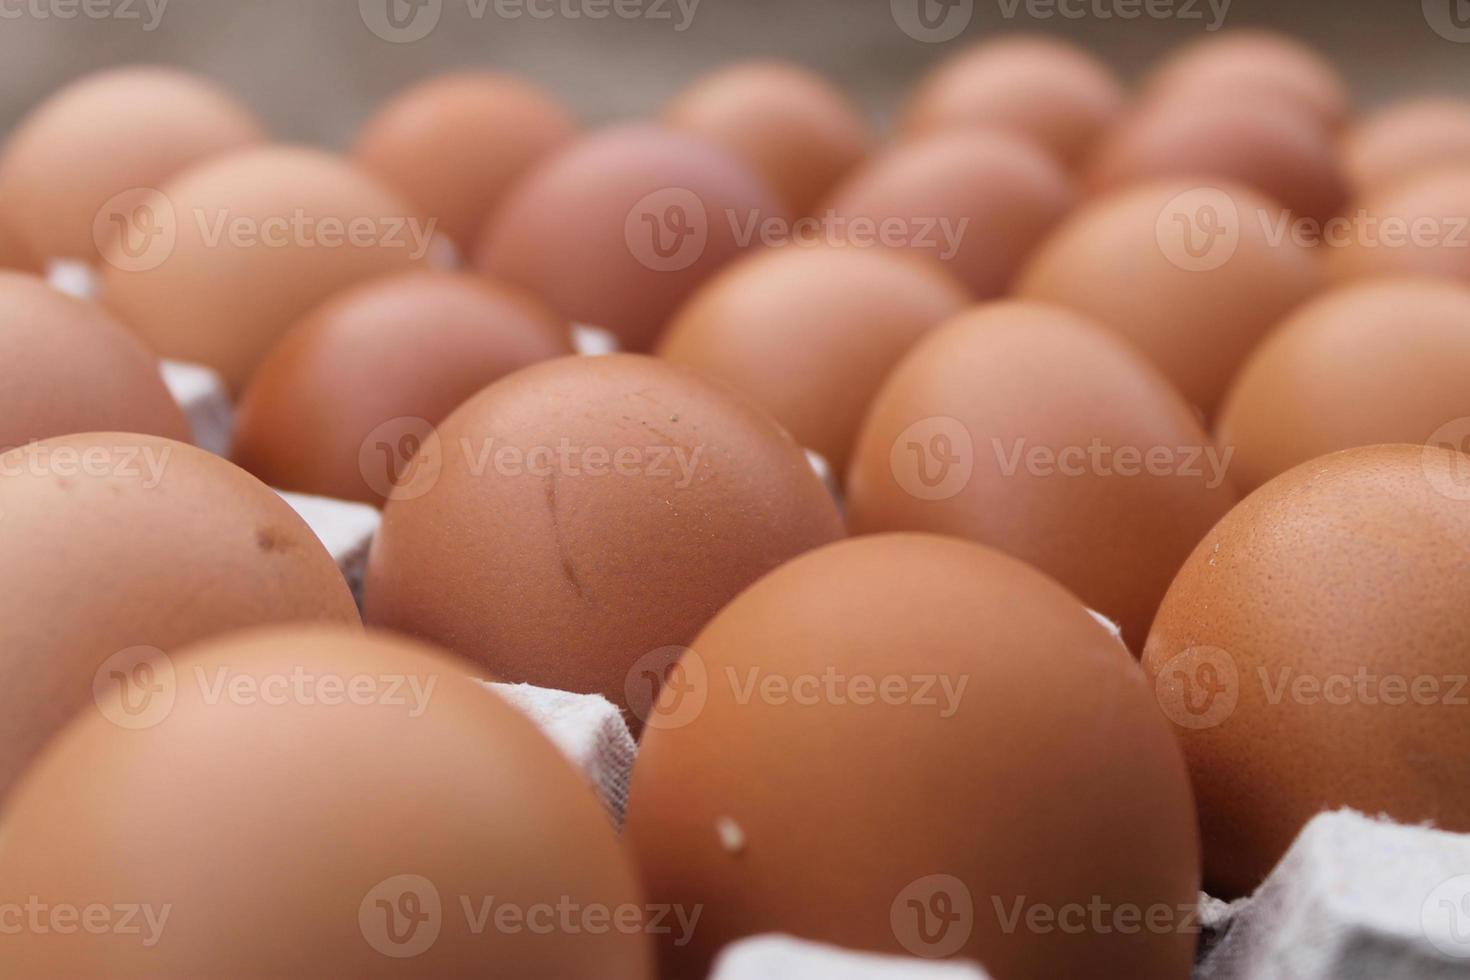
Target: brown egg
x=13, y=254
x=382, y=362
x=976, y=201
x=902, y=743
x=345, y=805
x=1033, y=430
x=792, y=127
x=1049, y=91
x=808, y=334
x=111, y=543
x=1312, y=654
x=1256, y=61
x=1271, y=145
x=455, y=145
x=1380, y=361
x=234, y=252
x=97, y=144
x=1407, y=138
x=586, y=512
x=618, y=229
x=1417, y=226
x=1193, y=275
x=66, y=366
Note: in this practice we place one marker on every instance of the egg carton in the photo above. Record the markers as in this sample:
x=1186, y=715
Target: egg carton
x=1355, y=898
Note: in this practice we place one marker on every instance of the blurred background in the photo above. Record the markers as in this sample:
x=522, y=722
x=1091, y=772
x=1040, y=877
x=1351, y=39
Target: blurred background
x=316, y=68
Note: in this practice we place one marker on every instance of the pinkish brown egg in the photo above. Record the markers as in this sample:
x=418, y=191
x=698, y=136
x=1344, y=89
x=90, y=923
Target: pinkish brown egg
x=584, y=513
x=897, y=743
x=1260, y=141
x=809, y=334
x=791, y=126
x=1405, y=139
x=117, y=548
x=1256, y=61
x=379, y=364
x=1031, y=429
x=313, y=802
x=1370, y=362
x=93, y=147
x=66, y=366
x=1418, y=226
x=977, y=202
x=229, y=255
x=1312, y=654
x=1192, y=273
x=617, y=230
x=1046, y=90
x=13, y=254
x=455, y=145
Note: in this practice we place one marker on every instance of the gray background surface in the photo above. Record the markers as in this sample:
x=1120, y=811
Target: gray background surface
x=314, y=70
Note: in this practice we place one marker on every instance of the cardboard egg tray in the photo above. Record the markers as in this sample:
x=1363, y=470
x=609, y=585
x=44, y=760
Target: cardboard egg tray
x=1355, y=898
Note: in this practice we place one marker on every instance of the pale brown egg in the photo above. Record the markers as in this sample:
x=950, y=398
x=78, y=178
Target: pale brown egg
x=1033, y=430
x=975, y=201
x=1191, y=273
x=619, y=228
x=1405, y=139
x=328, y=410
x=1417, y=226
x=808, y=334
x=230, y=254
x=898, y=744
x=455, y=145
x=67, y=366
x=1262, y=142
x=1046, y=90
x=1379, y=361
x=311, y=803
x=795, y=129
x=586, y=512
x=97, y=145
x=1256, y=61
x=1313, y=651
x=113, y=545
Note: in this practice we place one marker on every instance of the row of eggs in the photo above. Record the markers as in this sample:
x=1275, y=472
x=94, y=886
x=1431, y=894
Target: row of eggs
x=364, y=375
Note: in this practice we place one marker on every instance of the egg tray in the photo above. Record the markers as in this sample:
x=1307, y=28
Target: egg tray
x=1355, y=898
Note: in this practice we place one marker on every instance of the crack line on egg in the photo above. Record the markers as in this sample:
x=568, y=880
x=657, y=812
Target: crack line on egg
x=567, y=568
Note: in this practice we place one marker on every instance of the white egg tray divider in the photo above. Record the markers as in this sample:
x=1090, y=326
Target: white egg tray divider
x=1355, y=898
